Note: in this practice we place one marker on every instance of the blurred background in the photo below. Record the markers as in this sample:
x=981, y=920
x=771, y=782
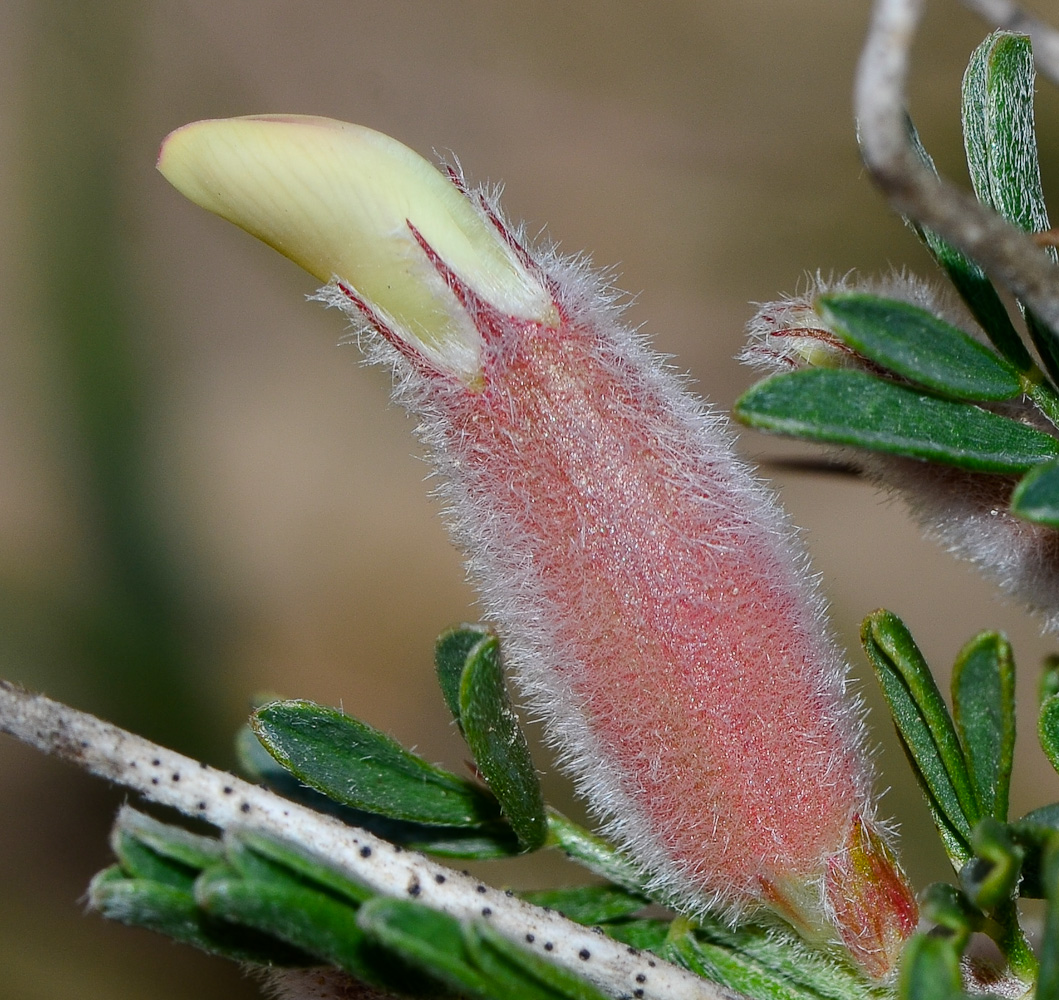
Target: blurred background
x=203, y=497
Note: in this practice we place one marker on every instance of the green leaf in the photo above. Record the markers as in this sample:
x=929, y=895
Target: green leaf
x=926, y=729
x=1048, y=729
x=1036, y=497
x=930, y=969
x=516, y=972
x=500, y=750
x=783, y=955
x=646, y=934
x=450, y=657
x=1048, y=682
x=999, y=134
x=169, y=910
x=1001, y=146
x=983, y=706
x=158, y=852
x=482, y=843
x=588, y=904
x=593, y=852
x=356, y=765
x=1048, y=976
x=918, y=346
x=312, y=921
x=991, y=877
x=258, y=855
x=489, y=840
x=948, y=907
x=855, y=408
x=734, y=970
x=970, y=281
x=429, y=940
x=1034, y=832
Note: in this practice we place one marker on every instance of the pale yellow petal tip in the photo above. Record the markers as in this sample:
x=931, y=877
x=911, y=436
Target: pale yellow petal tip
x=338, y=199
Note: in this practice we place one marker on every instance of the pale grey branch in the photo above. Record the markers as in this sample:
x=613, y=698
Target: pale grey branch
x=1009, y=15
x=1007, y=254
x=230, y=803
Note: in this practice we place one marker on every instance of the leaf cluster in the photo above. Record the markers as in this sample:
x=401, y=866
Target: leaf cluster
x=253, y=898
x=922, y=388
x=962, y=760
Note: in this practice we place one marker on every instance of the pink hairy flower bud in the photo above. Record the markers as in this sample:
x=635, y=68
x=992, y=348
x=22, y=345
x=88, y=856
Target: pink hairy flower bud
x=655, y=605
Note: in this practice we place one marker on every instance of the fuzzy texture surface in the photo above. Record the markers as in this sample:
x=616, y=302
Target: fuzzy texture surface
x=655, y=607
x=967, y=513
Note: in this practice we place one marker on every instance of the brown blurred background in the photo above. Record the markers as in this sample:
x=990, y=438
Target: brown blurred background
x=201, y=497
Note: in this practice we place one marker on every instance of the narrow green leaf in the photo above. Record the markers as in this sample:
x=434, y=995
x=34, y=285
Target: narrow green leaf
x=516, y=972
x=1048, y=682
x=356, y=765
x=247, y=849
x=948, y=907
x=1034, y=832
x=429, y=940
x=1000, y=138
x=1036, y=497
x=930, y=969
x=481, y=843
x=983, y=708
x=450, y=657
x=976, y=140
x=786, y=957
x=489, y=840
x=159, y=852
x=990, y=878
x=855, y=408
x=1048, y=976
x=1048, y=729
x=1046, y=341
x=169, y=910
x=970, y=281
x=593, y=852
x=731, y=969
x=919, y=346
x=588, y=904
x=311, y=921
x=500, y=749
x=1001, y=146
x=925, y=728
x=644, y=934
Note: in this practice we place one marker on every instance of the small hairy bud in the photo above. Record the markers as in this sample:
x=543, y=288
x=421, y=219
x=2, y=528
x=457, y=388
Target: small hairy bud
x=653, y=599
x=967, y=513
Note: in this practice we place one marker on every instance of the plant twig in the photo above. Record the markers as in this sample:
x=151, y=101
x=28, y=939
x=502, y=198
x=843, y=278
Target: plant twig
x=197, y=790
x=1009, y=15
x=1007, y=254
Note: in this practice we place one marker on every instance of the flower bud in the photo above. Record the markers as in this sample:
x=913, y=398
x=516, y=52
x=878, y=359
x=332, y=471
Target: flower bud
x=967, y=513
x=654, y=602
x=284, y=179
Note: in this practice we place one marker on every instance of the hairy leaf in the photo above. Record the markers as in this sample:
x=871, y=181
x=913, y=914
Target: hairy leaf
x=855, y=408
